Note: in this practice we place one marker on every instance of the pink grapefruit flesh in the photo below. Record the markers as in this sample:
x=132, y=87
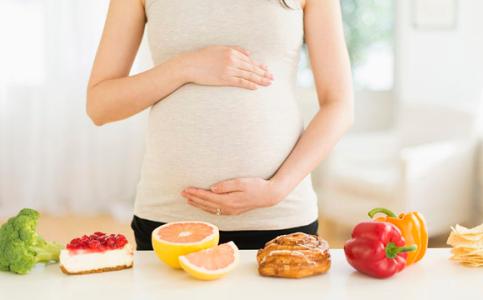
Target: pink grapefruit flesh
x=212, y=259
x=185, y=232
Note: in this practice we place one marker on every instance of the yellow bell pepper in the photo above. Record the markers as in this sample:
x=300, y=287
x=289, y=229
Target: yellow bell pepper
x=413, y=228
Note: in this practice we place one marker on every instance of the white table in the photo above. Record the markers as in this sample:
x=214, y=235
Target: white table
x=435, y=277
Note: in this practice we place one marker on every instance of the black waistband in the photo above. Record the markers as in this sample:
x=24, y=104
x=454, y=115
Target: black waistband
x=244, y=239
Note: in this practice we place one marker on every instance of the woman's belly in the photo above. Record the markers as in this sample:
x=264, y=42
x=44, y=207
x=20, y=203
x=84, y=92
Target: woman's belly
x=200, y=135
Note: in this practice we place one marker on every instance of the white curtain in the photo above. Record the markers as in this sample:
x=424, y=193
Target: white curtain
x=51, y=156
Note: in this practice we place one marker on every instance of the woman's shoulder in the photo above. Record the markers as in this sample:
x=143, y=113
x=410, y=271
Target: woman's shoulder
x=294, y=3
x=302, y=3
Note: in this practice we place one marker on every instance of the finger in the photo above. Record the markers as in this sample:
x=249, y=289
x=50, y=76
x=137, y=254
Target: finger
x=250, y=64
x=250, y=61
x=199, y=203
x=253, y=77
x=265, y=67
x=241, y=50
x=205, y=208
x=242, y=83
x=202, y=202
x=254, y=68
x=227, y=186
x=205, y=195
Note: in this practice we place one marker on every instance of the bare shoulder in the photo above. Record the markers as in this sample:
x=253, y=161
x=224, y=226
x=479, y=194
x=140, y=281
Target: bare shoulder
x=302, y=4
x=327, y=6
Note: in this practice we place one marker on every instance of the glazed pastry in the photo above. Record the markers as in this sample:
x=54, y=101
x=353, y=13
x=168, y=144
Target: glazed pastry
x=294, y=255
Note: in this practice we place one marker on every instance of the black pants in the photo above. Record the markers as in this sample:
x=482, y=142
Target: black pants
x=246, y=239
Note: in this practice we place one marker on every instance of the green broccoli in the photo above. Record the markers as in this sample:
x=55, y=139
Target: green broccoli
x=20, y=245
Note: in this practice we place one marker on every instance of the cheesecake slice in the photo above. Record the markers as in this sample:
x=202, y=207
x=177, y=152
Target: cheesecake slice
x=98, y=252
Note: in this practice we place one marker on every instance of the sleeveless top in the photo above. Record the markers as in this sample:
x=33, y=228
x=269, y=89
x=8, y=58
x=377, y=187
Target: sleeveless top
x=200, y=135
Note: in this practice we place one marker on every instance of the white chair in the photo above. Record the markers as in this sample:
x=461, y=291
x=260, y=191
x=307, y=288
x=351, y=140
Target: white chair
x=426, y=164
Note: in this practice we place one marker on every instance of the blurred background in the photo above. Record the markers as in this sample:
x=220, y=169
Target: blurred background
x=418, y=76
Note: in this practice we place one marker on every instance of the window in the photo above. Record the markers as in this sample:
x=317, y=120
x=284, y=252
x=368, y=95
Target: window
x=369, y=32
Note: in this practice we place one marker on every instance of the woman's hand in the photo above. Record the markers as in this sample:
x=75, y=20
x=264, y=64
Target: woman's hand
x=225, y=66
x=235, y=196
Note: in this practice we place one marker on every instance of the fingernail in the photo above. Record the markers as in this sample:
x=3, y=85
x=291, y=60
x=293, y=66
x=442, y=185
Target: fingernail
x=213, y=188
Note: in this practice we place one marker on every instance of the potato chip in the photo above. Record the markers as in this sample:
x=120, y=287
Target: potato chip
x=466, y=238
x=463, y=230
x=455, y=241
x=472, y=264
x=469, y=262
x=456, y=238
x=467, y=258
x=467, y=245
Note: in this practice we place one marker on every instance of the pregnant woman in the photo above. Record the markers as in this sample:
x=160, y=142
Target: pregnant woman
x=225, y=142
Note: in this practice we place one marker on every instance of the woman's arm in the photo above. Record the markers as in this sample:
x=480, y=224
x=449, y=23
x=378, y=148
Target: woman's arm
x=331, y=68
x=111, y=94
x=114, y=95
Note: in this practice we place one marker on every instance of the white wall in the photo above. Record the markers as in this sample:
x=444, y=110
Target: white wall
x=431, y=66
x=440, y=65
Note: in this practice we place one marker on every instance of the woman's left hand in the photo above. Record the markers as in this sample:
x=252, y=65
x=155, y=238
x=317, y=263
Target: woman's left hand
x=234, y=196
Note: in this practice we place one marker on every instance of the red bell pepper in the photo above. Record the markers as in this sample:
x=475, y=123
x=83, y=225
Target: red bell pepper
x=377, y=249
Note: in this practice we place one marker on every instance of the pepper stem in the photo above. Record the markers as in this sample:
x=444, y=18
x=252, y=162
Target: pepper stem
x=392, y=250
x=385, y=211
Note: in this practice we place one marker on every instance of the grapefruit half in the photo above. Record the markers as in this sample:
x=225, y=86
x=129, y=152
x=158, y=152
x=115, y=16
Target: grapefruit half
x=174, y=239
x=211, y=263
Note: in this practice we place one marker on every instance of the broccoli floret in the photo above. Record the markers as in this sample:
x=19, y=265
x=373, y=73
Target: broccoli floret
x=20, y=245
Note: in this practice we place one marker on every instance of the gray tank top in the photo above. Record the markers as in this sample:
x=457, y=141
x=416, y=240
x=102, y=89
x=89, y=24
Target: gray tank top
x=200, y=135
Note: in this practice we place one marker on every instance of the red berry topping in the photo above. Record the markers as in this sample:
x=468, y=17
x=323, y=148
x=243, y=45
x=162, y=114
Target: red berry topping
x=98, y=241
x=111, y=242
x=95, y=245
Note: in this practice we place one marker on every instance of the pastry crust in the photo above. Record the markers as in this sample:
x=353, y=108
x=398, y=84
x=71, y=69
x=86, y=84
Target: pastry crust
x=294, y=255
x=116, y=268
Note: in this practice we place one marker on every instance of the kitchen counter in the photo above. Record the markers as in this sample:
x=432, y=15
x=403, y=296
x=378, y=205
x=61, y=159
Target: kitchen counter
x=434, y=277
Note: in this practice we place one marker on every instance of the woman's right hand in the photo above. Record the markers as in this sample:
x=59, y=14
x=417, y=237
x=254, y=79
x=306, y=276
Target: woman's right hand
x=225, y=66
